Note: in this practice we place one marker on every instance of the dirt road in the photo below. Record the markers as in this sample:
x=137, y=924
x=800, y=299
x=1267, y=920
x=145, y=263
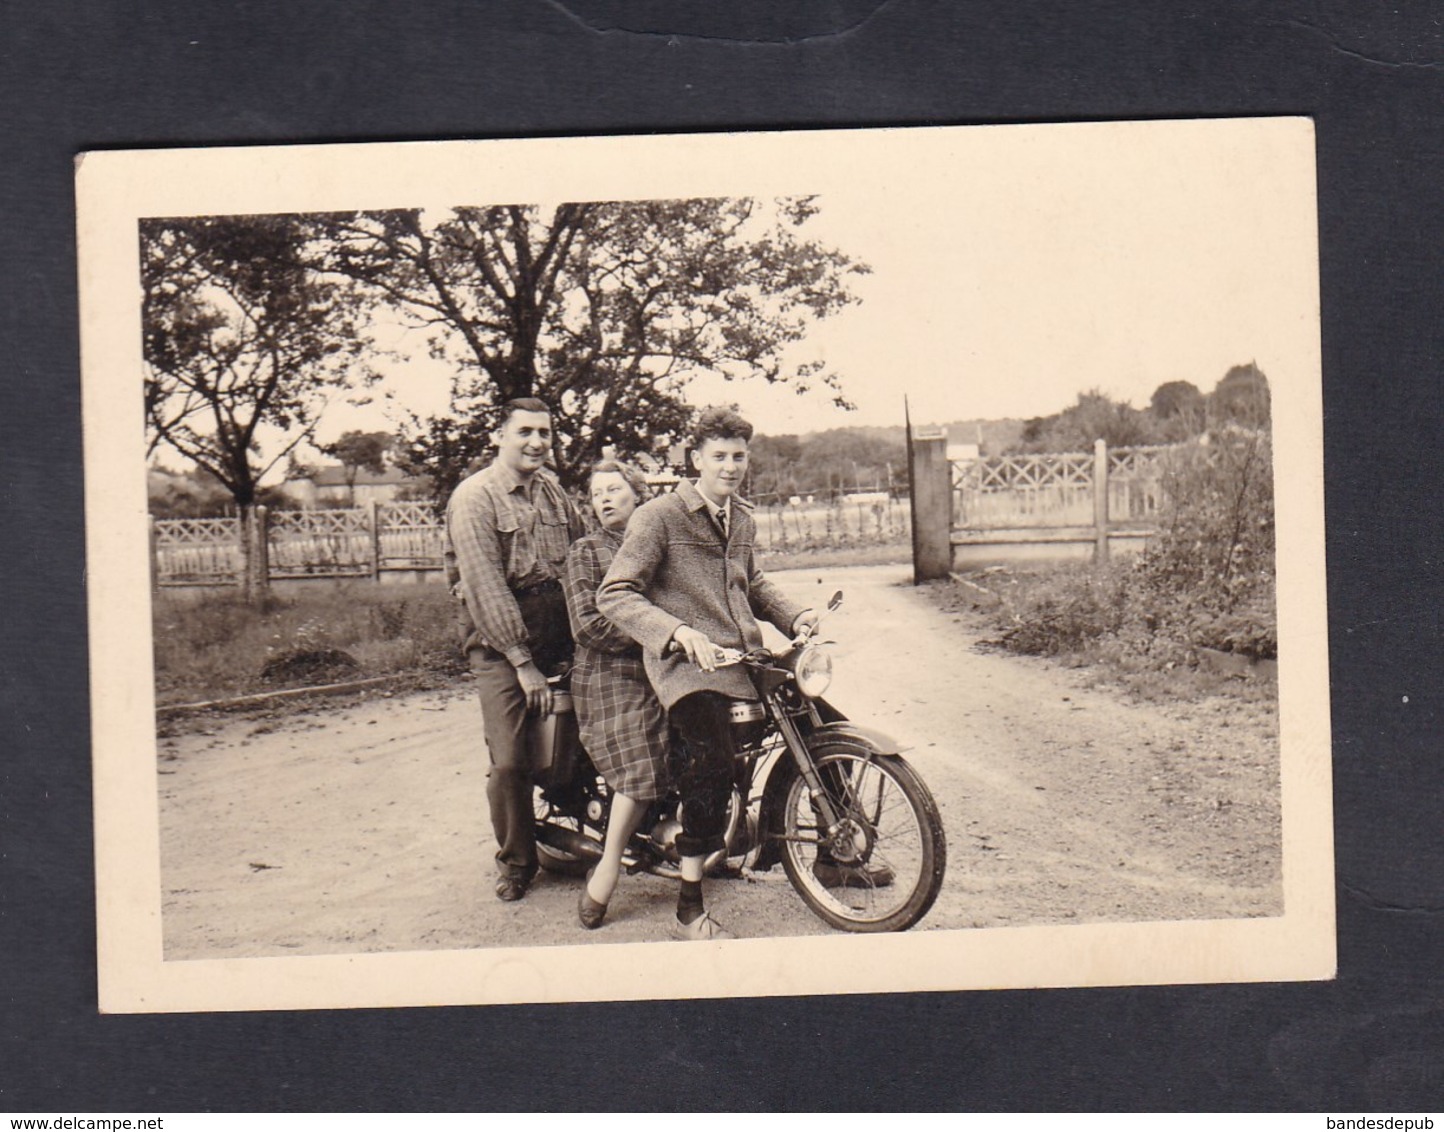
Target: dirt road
x=364, y=828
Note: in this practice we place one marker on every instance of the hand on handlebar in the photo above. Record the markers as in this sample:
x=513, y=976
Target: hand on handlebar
x=535, y=688
x=805, y=626
x=698, y=646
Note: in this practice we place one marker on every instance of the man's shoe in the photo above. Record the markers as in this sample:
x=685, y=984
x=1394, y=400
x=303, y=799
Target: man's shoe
x=510, y=888
x=833, y=875
x=703, y=927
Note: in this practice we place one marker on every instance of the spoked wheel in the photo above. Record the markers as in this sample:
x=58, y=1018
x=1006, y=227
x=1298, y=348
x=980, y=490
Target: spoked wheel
x=882, y=868
x=550, y=859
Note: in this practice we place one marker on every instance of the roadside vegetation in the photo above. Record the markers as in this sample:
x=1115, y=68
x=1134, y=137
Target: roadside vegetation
x=1203, y=589
x=214, y=646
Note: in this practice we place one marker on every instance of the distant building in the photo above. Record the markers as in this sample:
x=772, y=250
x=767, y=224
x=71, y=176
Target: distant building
x=327, y=486
x=963, y=451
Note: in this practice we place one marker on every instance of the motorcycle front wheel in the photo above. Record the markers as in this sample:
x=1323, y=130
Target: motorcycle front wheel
x=881, y=870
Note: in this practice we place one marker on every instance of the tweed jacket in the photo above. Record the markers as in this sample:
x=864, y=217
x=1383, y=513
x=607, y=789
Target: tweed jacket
x=676, y=568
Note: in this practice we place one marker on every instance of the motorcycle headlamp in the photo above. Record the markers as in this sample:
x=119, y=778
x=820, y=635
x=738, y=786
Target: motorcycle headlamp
x=814, y=671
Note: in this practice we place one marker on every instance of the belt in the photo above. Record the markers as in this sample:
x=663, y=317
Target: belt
x=551, y=585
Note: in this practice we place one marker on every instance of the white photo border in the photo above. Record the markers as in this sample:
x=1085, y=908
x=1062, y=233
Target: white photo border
x=117, y=188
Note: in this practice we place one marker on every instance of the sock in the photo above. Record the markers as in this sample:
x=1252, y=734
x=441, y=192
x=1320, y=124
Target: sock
x=689, y=901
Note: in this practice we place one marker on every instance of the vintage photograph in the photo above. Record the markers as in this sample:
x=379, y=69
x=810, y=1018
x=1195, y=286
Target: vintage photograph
x=598, y=568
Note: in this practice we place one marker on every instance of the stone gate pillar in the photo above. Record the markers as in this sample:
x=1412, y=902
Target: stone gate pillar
x=931, y=481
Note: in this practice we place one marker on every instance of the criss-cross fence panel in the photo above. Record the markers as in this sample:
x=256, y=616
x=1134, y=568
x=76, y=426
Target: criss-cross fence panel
x=1136, y=482
x=411, y=536
x=343, y=543
x=1043, y=490
x=1056, y=489
x=335, y=543
x=197, y=551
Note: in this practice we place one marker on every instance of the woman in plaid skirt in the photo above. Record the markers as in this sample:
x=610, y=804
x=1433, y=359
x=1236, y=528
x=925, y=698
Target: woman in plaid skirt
x=622, y=724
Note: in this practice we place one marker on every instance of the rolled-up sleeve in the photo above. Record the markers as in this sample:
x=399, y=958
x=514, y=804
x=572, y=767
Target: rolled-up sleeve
x=589, y=628
x=622, y=599
x=471, y=526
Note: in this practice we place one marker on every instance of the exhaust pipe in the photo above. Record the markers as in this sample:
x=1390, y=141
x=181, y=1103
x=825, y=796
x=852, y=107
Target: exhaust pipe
x=568, y=841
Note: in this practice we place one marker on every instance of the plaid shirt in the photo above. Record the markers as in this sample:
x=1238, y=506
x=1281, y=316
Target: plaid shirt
x=586, y=567
x=506, y=533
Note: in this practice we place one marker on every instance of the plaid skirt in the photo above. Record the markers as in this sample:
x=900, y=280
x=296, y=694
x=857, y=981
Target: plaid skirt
x=622, y=724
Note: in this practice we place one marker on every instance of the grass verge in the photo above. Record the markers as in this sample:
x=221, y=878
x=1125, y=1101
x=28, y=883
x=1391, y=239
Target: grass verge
x=1155, y=644
x=886, y=554
x=213, y=646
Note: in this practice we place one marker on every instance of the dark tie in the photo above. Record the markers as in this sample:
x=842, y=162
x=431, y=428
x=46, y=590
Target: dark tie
x=722, y=520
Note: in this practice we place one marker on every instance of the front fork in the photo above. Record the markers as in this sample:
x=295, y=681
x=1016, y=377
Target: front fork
x=821, y=802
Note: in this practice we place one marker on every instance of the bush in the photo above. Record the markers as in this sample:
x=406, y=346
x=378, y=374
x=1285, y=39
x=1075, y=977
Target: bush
x=1205, y=581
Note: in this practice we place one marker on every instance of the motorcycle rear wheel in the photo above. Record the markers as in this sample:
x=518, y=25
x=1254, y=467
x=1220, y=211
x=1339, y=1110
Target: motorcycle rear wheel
x=556, y=861
x=890, y=823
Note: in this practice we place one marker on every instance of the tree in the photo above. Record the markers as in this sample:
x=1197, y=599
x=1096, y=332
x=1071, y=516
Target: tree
x=604, y=310
x=1095, y=416
x=244, y=345
x=359, y=450
x=1241, y=397
x=773, y=465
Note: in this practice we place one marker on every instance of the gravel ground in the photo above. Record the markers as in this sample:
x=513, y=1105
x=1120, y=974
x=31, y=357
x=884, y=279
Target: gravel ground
x=362, y=826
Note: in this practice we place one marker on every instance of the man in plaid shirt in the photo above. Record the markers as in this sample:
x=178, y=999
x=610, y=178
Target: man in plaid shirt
x=508, y=530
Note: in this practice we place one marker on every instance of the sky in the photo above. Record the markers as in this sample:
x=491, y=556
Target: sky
x=1027, y=269
x=1012, y=267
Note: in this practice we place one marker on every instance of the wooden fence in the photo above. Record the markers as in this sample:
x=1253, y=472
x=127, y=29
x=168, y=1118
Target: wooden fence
x=831, y=521
x=395, y=541
x=1046, y=505
x=357, y=542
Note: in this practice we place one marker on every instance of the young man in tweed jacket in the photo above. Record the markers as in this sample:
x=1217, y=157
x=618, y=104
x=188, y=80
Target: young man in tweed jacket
x=683, y=584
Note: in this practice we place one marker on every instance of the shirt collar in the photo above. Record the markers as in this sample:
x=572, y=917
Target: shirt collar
x=511, y=480
x=713, y=505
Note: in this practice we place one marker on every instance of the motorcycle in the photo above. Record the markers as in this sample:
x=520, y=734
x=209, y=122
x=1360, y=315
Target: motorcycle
x=854, y=827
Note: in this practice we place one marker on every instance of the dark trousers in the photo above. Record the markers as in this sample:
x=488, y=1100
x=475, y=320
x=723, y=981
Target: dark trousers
x=702, y=769
x=508, y=782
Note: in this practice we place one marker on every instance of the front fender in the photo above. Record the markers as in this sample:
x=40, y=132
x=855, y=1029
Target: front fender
x=841, y=731
x=877, y=741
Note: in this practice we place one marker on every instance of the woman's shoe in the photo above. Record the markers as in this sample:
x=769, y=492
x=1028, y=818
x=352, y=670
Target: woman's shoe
x=590, y=913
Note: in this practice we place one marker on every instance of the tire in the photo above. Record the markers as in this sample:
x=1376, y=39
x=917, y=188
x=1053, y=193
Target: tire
x=890, y=821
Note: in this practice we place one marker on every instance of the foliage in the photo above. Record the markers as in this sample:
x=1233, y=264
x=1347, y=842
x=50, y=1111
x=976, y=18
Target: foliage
x=604, y=310
x=359, y=451
x=1215, y=545
x=840, y=459
x=211, y=646
x=1176, y=412
x=196, y=494
x=1206, y=580
x=240, y=335
x=1241, y=397
x=1095, y=416
x=1175, y=399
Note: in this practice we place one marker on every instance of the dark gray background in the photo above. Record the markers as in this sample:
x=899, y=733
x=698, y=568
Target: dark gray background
x=79, y=75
